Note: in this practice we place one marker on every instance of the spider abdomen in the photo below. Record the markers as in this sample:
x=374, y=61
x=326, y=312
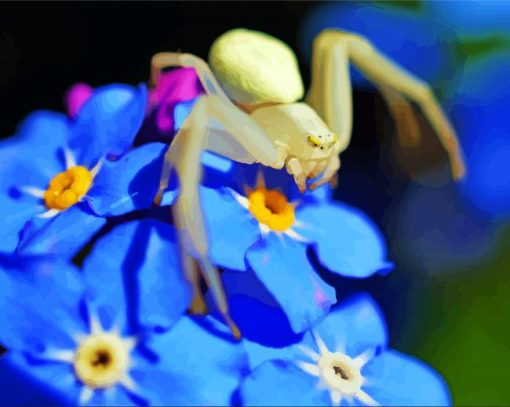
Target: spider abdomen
x=255, y=68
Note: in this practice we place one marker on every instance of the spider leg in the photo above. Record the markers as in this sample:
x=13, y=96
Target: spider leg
x=404, y=116
x=329, y=173
x=169, y=59
x=330, y=93
x=184, y=155
x=164, y=60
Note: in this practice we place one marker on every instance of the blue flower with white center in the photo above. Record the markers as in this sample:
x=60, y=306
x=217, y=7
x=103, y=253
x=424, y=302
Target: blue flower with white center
x=56, y=165
x=268, y=232
x=75, y=342
x=344, y=360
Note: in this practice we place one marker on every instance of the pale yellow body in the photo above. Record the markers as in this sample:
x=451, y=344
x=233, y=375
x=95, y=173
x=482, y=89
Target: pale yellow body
x=251, y=113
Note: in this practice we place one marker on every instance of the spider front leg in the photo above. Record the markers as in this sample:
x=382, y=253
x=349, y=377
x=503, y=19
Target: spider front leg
x=329, y=174
x=330, y=93
x=184, y=155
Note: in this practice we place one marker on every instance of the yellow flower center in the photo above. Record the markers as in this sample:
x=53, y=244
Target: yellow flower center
x=271, y=208
x=68, y=187
x=101, y=360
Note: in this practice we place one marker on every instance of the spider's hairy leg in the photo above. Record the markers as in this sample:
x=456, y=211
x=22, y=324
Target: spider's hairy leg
x=184, y=155
x=332, y=52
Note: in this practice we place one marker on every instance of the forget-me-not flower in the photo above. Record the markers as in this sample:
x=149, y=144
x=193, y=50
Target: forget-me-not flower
x=344, y=360
x=60, y=177
x=76, y=342
x=268, y=230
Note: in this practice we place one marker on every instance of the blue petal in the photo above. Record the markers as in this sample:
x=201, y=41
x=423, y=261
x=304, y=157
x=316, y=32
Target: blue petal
x=45, y=128
x=472, y=19
x=35, y=155
x=395, y=379
x=281, y=383
x=65, y=234
x=108, y=122
x=142, y=280
x=199, y=364
x=39, y=303
x=117, y=396
x=15, y=213
x=347, y=241
x=42, y=384
x=355, y=325
x=231, y=228
x=282, y=266
x=128, y=184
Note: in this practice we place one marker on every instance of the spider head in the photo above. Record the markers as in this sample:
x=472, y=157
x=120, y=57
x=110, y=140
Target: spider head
x=299, y=127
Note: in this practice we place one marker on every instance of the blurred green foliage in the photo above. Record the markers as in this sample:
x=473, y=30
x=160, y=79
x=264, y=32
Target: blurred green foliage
x=462, y=328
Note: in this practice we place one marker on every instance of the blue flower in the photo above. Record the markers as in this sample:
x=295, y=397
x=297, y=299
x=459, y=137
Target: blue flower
x=150, y=290
x=70, y=340
x=56, y=165
x=344, y=360
x=267, y=231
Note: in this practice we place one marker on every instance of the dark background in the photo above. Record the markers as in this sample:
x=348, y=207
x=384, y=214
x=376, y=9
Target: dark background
x=47, y=47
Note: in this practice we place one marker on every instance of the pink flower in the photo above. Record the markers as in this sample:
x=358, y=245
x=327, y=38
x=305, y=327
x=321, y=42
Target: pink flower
x=76, y=97
x=176, y=86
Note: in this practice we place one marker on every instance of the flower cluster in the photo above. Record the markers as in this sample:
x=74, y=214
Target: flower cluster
x=93, y=300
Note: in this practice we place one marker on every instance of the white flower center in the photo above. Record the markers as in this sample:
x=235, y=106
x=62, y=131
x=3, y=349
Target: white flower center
x=338, y=373
x=101, y=360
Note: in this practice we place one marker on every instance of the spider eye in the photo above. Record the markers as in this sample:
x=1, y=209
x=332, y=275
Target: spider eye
x=315, y=140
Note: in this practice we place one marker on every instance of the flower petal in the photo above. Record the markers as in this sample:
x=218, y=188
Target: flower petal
x=42, y=128
x=282, y=266
x=128, y=184
x=35, y=155
x=35, y=384
x=49, y=313
x=347, y=241
x=281, y=383
x=108, y=122
x=142, y=281
x=64, y=234
x=231, y=228
x=395, y=379
x=200, y=364
x=356, y=325
x=353, y=326
x=15, y=213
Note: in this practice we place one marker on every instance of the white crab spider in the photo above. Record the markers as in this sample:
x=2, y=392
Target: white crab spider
x=254, y=94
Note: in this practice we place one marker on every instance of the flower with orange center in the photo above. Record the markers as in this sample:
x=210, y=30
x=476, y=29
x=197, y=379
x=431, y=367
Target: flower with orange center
x=68, y=187
x=270, y=207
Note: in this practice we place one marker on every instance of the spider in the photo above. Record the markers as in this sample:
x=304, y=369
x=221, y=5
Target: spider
x=253, y=89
